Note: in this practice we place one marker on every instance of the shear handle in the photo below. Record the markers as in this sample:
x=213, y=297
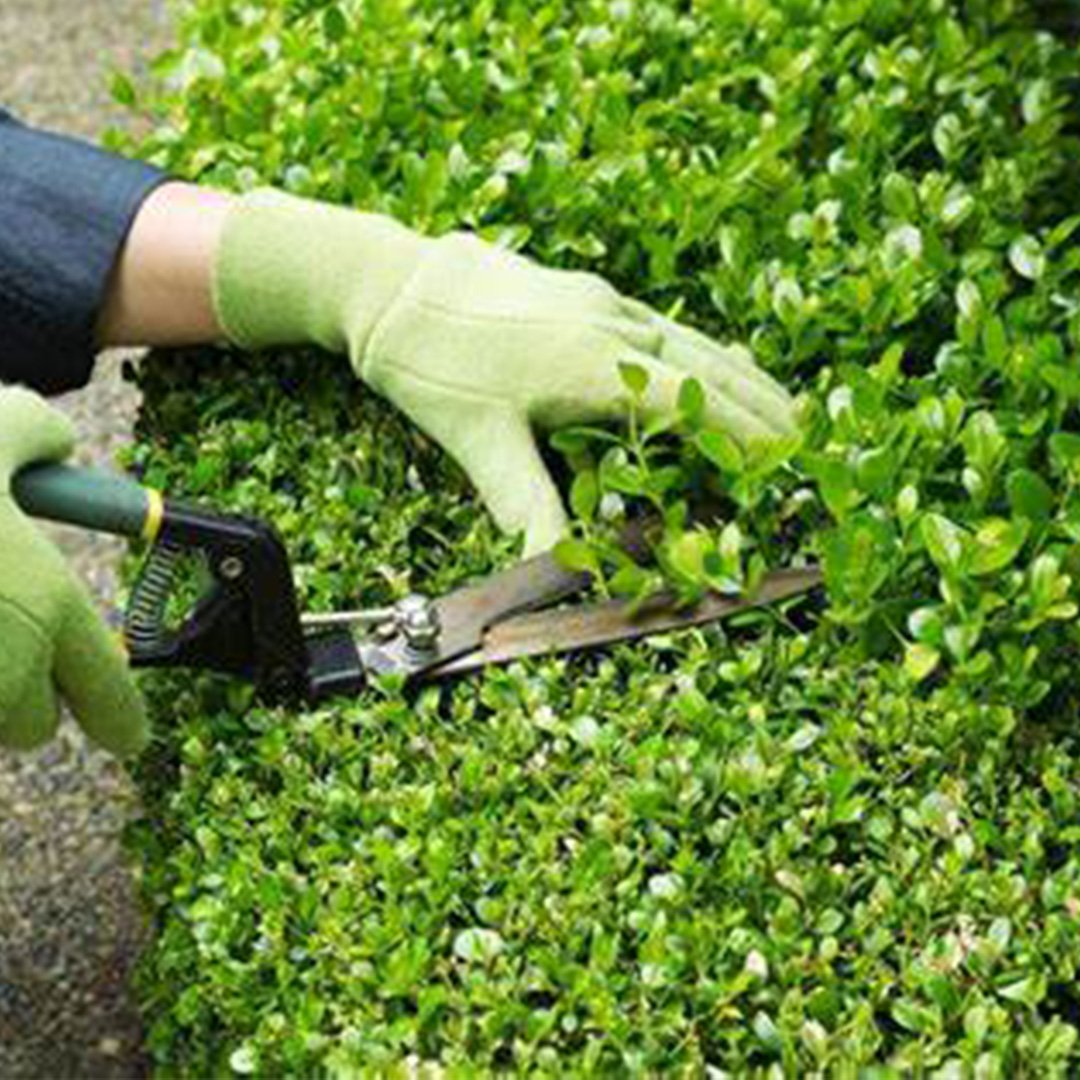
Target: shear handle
x=88, y=498
x=248, y=624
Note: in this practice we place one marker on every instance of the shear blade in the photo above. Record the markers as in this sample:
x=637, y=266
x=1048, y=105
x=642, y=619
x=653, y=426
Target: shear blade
x=468, y=615
x=573, y=629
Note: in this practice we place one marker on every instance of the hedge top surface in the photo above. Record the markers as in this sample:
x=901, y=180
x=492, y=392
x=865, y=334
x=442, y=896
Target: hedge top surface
x=793, y=844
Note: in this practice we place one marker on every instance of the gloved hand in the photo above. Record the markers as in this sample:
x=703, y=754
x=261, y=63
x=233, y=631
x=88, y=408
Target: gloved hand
x=51, y=639
x=476, y=344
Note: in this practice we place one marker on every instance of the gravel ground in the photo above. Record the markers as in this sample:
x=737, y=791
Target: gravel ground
x=69, y=923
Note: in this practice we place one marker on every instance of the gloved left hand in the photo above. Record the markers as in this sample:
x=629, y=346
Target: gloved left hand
x=476, y=344
x=52, y=642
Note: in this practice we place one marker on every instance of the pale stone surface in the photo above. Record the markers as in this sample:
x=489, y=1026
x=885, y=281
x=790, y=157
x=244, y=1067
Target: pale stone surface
x=69, y=923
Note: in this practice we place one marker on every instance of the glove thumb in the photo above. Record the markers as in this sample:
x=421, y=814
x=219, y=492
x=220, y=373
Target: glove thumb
x=30, y=431
x=496, y=447
x=92, y=674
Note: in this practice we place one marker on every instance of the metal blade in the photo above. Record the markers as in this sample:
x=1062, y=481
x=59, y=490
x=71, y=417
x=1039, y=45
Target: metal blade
x=468, y=613
x=588, y=626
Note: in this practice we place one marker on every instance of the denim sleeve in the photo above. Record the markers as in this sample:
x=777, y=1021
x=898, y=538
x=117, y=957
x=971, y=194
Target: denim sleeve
x=65, y=209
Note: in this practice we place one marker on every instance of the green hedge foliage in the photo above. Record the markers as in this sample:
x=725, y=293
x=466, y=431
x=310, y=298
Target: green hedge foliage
x=839, y=840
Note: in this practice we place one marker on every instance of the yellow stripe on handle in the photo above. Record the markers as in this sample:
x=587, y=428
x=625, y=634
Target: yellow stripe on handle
x=155, y=514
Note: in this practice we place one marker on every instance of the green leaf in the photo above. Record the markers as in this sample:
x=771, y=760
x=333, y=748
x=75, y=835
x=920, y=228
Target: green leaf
x=624, y=478
x=1026, y=257
x=857, y=558
x=1065, y=452
x=721, y=449
x=687, y=554
x=914, y=1016
x=836, y=482
x=763, y=456
x=574, y=440
x=634, y=582
x=977, y=1022
x=969, y=299
x=1029, y=990
x=948, y=136
x=925, y=625
x=335, y=26
x=898, y=196
x=576, y=555
x=660, y=481
x=585, y=495
x=1035, y=103
x=995, y=341
x=243, y=1060
x=984, y=443
x=1050, y=588
x=766, y=1030
x=478, y=945
x=123, y=90
x=1057, y=1041
x=634, y=377
x=1030, y=496
x=995, y=544
x=958, y=207
x=788, y=302
x=945, y=541
x=920, y=660
x=691, y=402
x=875, y=471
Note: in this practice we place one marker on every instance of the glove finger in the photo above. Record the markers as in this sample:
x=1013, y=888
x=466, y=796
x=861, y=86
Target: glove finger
x=699, y=348
x=583, y=285
x=730, y=367
x=504, y=464
x=30, y=430
x=772, y=405
x=93, y=676
x=741, y=356
x=496, y=447
x=607, y=399
x=642, y=337
x=29, y=713
x=637, y=310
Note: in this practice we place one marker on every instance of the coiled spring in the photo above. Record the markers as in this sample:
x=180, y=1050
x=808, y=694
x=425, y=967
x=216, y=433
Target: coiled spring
x=144, y=623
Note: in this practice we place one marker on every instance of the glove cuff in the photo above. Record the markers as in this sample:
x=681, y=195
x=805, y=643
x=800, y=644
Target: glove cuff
x=292, y=271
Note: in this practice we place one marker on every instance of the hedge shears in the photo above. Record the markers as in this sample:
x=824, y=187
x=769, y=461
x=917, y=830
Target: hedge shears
x=247, y=622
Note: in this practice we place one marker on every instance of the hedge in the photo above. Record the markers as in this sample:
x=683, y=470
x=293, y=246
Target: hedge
x=840, y=838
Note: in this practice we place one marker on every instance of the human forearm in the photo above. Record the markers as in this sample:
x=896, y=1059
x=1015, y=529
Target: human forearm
x=159, y=292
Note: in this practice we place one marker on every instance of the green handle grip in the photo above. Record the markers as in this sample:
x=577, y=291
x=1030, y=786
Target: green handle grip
x=92, y=499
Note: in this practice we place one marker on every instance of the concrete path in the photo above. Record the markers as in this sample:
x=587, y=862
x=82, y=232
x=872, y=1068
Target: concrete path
x=69, y=924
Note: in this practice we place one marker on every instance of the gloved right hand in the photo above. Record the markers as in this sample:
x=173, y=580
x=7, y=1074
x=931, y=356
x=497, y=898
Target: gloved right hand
x=480, y=347
x=52, y=642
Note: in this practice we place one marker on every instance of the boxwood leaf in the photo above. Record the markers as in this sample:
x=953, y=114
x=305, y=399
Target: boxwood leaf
x=1030, y=495
x=1026, y=257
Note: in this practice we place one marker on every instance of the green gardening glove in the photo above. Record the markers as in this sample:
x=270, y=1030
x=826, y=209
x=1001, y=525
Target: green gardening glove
x=479, y=346
x=52, y=642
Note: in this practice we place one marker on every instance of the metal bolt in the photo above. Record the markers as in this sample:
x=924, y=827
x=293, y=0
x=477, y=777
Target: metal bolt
x=419, y=622
x=231, y=567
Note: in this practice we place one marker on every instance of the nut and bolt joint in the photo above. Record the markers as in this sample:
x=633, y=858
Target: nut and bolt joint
x=419, y=623
x=231, y=567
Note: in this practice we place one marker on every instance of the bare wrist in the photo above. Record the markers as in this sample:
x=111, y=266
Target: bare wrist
x=159, y=292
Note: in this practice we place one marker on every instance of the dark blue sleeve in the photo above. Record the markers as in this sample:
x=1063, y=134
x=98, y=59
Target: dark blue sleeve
x=65, y=210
